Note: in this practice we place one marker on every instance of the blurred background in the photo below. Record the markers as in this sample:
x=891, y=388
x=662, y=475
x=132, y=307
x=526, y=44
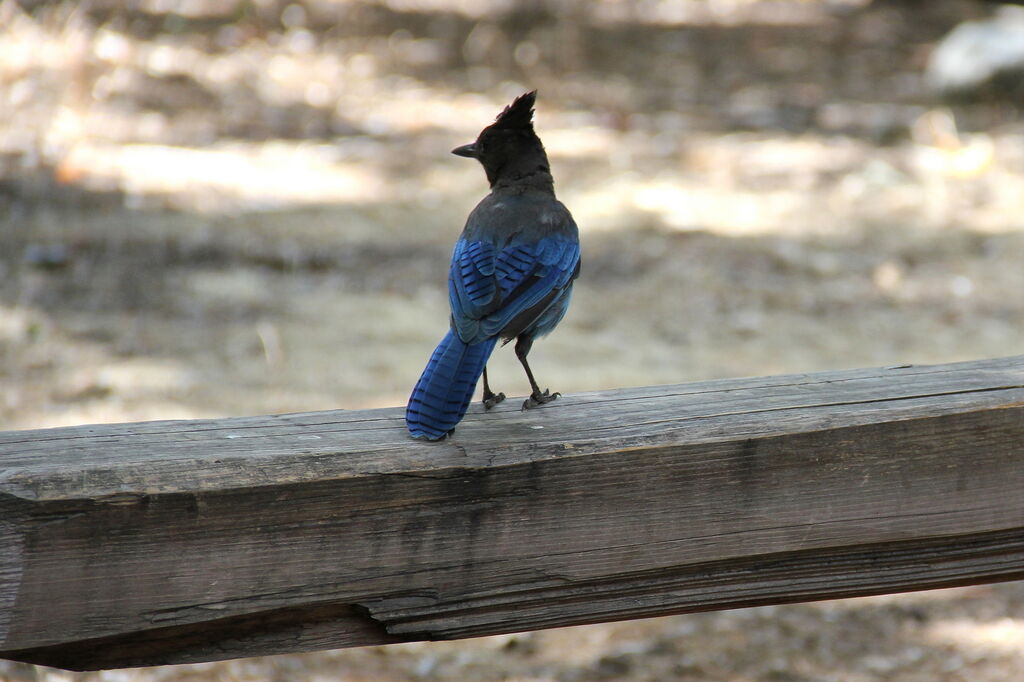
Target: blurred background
x=230, y=207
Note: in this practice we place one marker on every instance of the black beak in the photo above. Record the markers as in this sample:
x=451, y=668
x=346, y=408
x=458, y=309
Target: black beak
x=467, y=150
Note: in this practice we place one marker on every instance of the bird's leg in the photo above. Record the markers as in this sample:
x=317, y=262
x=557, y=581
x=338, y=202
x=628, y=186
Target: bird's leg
x=523, y=345
x=490, y=397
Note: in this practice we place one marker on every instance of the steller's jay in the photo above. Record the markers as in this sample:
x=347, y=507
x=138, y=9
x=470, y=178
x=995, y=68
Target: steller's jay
x=510, y=278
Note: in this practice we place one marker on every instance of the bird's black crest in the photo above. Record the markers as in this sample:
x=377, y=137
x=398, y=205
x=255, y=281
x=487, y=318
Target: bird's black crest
x=519, y=114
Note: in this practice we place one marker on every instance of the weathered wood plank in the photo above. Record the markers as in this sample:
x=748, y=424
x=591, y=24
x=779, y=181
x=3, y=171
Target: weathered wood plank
x=160, y=542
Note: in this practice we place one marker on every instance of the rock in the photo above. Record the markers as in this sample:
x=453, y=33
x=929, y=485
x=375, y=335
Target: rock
x=981, y=59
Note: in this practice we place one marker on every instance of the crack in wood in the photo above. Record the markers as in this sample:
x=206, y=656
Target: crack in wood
x=747, y=581
x=314, y=626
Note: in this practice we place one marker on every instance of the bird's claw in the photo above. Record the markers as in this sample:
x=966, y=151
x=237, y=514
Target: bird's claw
x=492, y=399
x=538, y=399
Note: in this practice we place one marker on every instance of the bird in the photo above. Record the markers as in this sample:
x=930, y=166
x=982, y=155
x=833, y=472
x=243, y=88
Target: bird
x=511, y=274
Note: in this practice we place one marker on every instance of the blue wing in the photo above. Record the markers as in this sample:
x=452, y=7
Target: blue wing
x=502, y=292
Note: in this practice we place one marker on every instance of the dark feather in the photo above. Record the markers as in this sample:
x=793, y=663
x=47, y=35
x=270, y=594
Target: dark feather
x=519, y=114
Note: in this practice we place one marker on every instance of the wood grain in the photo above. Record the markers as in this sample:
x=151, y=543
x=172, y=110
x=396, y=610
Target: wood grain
x=167, y=542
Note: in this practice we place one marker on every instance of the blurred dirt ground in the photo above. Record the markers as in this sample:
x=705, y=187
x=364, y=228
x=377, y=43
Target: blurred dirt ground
x=238, y=207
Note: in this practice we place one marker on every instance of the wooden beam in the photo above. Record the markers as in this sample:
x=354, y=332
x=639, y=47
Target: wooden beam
x=168, y=542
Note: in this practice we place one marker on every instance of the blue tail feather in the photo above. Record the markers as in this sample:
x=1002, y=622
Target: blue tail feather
x=445, y=389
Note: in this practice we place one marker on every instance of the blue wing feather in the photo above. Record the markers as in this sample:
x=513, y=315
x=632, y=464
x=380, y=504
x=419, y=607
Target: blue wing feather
x=490, y=288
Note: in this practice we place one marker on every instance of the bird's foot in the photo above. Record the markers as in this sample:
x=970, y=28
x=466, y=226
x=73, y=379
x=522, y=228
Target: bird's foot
x=538, y=399
x=492, y=399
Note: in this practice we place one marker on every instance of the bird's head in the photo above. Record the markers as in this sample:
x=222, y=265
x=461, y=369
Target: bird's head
x=509, y=142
